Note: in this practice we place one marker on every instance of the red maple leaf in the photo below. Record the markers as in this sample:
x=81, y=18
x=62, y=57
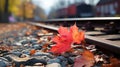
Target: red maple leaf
x=63, y=30
x=60, y=48
x=63, y=41
x=66, y=38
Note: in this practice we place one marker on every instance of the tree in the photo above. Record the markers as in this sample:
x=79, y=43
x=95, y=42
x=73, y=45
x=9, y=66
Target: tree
x=4, y=13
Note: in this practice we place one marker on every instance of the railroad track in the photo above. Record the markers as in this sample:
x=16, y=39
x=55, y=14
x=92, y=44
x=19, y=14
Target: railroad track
x=102, y=40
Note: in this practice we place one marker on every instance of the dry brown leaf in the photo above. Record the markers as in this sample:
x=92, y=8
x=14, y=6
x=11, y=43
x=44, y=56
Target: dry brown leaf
x=86, y=59
x=114, y=62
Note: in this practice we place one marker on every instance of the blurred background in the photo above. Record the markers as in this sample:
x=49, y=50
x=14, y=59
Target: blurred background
x=35, y=10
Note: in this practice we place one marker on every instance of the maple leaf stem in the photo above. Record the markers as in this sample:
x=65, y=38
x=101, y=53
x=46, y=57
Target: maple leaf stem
x=83, y=44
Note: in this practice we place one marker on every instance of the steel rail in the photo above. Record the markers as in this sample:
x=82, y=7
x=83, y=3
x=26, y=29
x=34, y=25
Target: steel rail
x=80, y=19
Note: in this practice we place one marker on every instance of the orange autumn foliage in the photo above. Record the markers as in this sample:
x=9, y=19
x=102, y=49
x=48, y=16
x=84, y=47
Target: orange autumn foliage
x=88, y=55
x=32, y=51
x=77, y=36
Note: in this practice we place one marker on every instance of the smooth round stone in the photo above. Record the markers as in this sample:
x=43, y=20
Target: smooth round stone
x=54, y=65
x=24, y=42
x=33, y=41
x=2, y=64
x=37, y=47
x=18, y=44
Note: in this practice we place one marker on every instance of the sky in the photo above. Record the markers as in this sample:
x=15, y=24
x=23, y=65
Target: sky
x=47, y=4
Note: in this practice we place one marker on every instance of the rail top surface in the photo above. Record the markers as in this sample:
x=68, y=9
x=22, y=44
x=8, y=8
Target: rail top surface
x=82, y=19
